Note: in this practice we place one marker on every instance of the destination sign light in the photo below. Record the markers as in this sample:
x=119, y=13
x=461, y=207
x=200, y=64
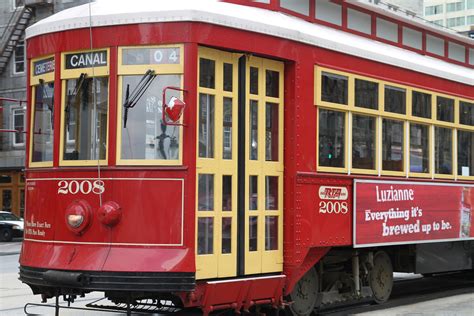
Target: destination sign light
x=151, y=56
x=43, y=66
x=86, y=60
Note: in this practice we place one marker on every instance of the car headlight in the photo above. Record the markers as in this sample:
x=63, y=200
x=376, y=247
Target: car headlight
x=16, y=227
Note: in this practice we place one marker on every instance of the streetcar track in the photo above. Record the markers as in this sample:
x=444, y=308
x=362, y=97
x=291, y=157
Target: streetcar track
x=411, y=291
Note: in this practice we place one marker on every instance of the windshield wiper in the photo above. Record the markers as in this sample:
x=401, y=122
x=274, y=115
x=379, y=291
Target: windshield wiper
x=72, y=96
x=131, y=99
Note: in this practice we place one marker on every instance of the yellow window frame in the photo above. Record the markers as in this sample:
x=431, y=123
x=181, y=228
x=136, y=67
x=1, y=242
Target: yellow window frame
x=34, y=82
x=408, y=118
x=159, y=69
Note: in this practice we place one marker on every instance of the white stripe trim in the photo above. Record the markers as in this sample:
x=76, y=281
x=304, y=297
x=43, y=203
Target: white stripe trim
x=99, y=243
x=106, y=13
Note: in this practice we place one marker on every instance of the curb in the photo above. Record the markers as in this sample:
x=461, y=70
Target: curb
x=9, y=253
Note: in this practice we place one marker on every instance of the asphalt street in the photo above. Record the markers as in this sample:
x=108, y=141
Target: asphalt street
x=14, y=295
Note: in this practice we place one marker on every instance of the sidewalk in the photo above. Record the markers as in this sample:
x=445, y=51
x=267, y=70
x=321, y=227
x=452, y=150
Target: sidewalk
x=10, y=248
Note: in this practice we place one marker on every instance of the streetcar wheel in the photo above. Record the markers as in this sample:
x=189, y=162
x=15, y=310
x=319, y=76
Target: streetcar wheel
x=6, y=234
x=305, y=295
x=381, y=277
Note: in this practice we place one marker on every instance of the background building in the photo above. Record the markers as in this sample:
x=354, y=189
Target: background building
x=455, y=14
x=15, y=17
x=415, y=6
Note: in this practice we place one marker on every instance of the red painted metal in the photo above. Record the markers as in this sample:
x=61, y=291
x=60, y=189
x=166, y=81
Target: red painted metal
x=158, y=203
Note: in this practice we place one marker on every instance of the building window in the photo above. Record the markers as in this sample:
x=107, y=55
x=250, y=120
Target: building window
x=19, y=58
x=19, y=125
x=470, y=4
x=438, y=22
x=331, y=138
x=434, y=9
x=455, y=6
x=453, y=22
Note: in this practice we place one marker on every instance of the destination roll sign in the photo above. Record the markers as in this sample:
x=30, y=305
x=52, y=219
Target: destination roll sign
x=43, y=66
x=86, y=60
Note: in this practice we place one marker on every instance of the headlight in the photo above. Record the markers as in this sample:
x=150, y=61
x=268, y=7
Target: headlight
x=16, y=227
x=75, y=220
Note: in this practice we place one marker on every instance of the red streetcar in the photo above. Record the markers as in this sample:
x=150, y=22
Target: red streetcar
x=245, y=154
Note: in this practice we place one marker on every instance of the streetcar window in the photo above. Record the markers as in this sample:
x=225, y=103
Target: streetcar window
x=363, y=142
x=253, y=80
x=359, y=21
x=86, y=117
x=465, y=153
x=226, y=235
x=331, y=138
x=144, y=135
x=419, y=148
x=228, y=77
x=395, y=100
x=43, y=125
x=206, y=192
x=392, y=145
x=366, y=94
x=272, y=83
x=271, y=232
x=445, y=109
x=421, y=104
x=457, y=52
x=334, y=88
x=253, y=193
x=434, y=45
x=206, y=125
x=271, y=193
x=301, y=6
x=466, y=113
x=253, y=233
x=471, y=56
x=387, y=30
x=205, y=242
x=253, y=146
x=412, y=38
x=271, y=131
x=207, y=73
x=328, y=11
x=227, y=129
x=443, y=150
x=227, y=193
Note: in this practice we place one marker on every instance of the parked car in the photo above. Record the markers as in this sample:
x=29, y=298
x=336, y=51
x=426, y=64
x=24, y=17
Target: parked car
x=10, y=226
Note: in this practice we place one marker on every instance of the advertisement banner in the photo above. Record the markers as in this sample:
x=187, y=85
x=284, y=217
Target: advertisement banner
x=390, y=212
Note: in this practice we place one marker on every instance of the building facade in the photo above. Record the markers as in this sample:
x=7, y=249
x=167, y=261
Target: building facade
x=415, y=6
x=15, y=17
x=454, y=14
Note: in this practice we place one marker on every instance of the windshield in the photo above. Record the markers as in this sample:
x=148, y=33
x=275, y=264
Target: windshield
x=145, y=136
